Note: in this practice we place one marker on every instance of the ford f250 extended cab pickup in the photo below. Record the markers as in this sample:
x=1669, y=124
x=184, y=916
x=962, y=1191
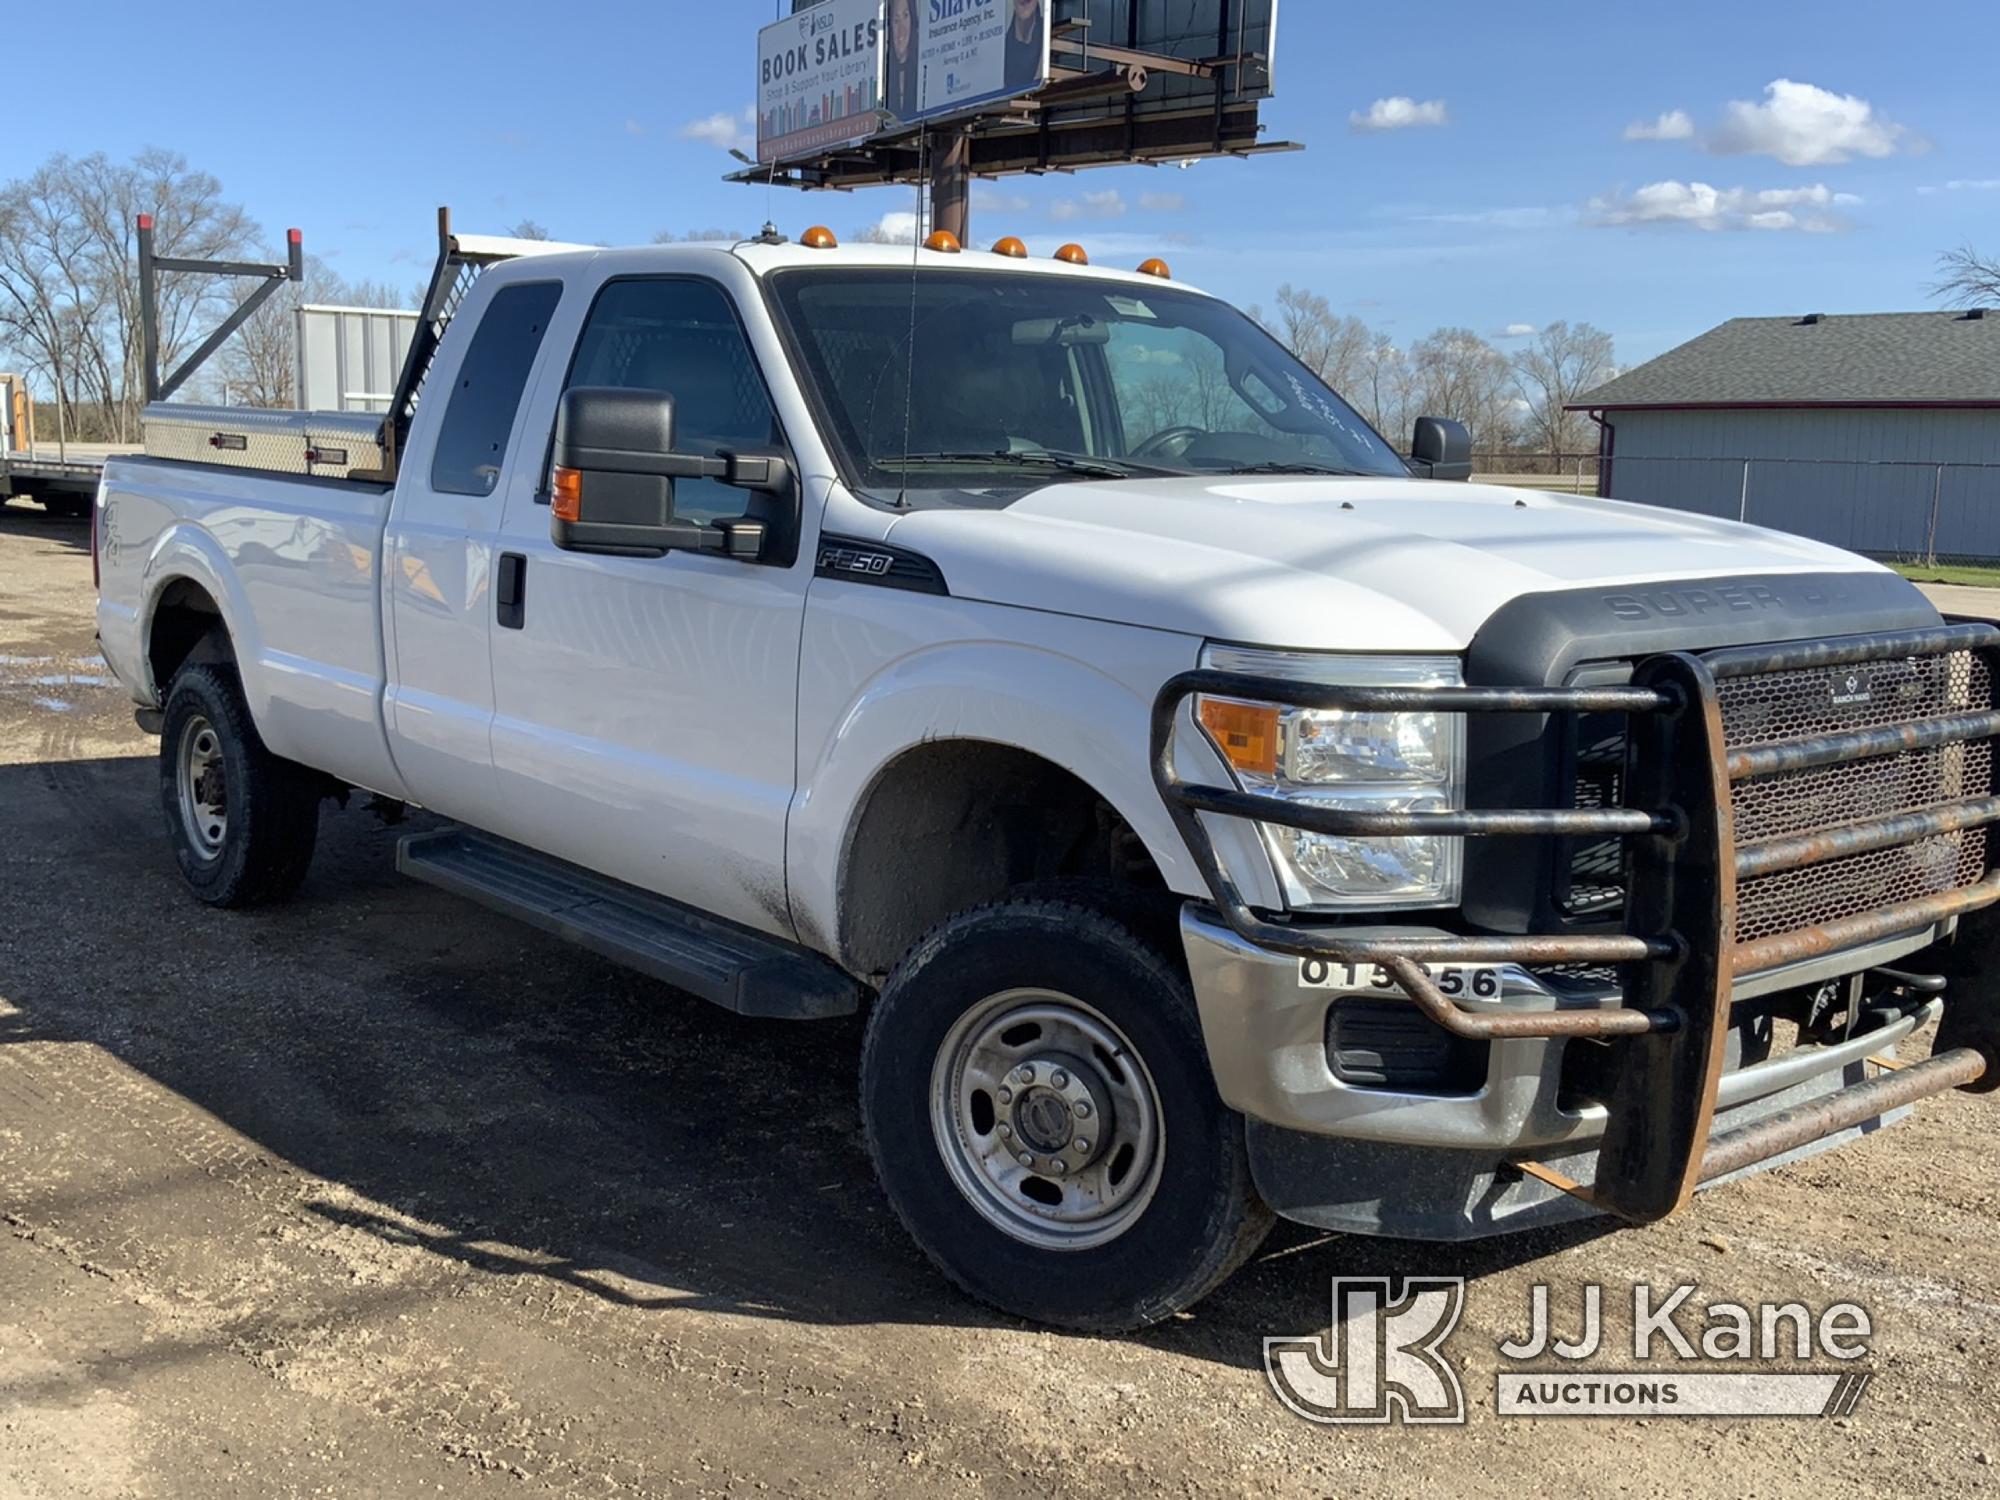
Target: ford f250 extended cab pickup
x=1219, y=814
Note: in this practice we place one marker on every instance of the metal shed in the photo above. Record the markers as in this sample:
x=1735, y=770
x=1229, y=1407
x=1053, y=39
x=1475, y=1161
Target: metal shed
x=1878, y=432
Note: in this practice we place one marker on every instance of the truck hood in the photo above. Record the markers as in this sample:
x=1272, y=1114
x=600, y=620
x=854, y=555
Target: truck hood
x=1327, y=563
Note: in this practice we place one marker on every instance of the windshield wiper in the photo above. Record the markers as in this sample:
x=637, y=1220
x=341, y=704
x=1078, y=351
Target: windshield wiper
x=1087, y=465
x=1290, y=467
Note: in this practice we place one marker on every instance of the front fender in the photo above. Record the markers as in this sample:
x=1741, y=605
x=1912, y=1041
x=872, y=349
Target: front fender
x=1089, y=719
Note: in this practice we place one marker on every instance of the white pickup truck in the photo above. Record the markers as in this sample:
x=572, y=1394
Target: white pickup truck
x=1218, y=813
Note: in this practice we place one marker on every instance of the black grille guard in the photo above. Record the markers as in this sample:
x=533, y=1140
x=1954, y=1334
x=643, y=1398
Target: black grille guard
x=1678, y=953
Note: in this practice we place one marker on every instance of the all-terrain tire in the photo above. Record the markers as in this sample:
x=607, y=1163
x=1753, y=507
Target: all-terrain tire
x=1203, y=1218
x=271, y=806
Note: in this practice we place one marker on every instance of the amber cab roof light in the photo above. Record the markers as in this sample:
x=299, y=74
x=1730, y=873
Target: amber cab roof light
x=1010, y=247
x=819, y=237
x=1156, y=267
x=944, y=242
x=1074, y=255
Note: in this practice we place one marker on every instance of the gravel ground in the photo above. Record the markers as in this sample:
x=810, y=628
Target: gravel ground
x=377, y=1194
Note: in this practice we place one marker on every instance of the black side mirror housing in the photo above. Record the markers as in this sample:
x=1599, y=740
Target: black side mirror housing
x=1440, y=449
x=612, y=490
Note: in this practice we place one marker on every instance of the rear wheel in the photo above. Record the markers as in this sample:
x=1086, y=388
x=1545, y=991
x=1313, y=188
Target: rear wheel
x=1040, y=1111
x=243, y=822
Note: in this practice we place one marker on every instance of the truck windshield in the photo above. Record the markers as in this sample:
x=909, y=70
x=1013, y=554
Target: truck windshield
x=982, y=379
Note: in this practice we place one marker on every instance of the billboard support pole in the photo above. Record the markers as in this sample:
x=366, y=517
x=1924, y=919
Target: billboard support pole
x=951, y=186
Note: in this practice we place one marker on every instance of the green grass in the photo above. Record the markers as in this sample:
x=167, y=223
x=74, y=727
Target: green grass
x=1971, y=575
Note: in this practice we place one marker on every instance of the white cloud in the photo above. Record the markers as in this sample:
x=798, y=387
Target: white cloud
x=633, y=127
x=985, y=200
x=1519, y=331
x=726, y=132
x=1962, y=185
x=1813, y=209
x=1109, y=204
x=1397, y=113
x=898, y=228
x=1674, y=125
x=1530, y=217
x=1163, y=203
x=1806, y=126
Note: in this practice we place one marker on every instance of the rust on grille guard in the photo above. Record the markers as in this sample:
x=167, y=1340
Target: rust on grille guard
x=1678, y=954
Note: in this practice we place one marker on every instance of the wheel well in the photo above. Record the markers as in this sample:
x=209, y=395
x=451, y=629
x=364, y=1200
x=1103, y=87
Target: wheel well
x=187, y=626
x=955, y=823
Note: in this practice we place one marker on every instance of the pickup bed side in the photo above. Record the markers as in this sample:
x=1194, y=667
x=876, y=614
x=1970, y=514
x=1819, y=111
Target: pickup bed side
x=289, y=568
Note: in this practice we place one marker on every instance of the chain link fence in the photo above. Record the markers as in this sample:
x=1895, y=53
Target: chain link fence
x=1903, y=509
x=1936, y=512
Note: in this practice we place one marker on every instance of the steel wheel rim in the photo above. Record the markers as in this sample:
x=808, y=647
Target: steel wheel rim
x=1040, y=1074
x=199, y=781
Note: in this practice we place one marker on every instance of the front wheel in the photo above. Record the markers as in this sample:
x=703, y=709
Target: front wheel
x=242, y=821
x=1040, y=1111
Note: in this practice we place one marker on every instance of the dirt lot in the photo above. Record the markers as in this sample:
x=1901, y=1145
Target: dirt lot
x=376, y=1194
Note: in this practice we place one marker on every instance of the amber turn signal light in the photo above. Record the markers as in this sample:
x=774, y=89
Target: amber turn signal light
x=566, y=494
x=944, y=242
x=1010, y=247
x=1245, y=733
x=819, y=237
x=1156, y=267
x=1073, y=255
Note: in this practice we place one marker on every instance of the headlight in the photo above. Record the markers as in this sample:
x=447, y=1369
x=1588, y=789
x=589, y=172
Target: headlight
x=1400, y=762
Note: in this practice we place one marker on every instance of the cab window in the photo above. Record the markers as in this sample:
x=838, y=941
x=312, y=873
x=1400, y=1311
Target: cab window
x=479, y=418
x=682, y=337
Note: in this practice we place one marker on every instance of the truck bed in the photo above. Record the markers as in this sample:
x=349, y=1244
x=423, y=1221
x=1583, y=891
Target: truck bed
x=293, y=566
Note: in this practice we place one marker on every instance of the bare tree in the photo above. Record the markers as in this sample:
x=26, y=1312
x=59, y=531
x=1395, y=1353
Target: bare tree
x=527, y=229
x=191, y=219
x=1456, y=373
x=1382, y=391
x=1967, y=279
x=1562, y=362
x=698, y=237
x=1333, y=347
x=47, y=310
x=69, y=297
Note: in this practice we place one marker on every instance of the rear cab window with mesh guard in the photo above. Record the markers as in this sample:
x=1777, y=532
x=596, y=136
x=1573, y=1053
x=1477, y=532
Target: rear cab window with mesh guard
x=682, y=337
x=472, y=440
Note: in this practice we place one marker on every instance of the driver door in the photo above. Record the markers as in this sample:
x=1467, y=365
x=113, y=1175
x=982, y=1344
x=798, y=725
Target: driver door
x=645, y=708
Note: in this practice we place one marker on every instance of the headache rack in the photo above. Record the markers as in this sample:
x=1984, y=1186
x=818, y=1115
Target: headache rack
x=1777, y=803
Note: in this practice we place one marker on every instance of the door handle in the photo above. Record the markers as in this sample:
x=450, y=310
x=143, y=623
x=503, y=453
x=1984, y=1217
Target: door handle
x=510, y=592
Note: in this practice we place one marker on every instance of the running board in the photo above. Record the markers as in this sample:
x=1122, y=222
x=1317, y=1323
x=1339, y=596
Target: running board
x=733, y=967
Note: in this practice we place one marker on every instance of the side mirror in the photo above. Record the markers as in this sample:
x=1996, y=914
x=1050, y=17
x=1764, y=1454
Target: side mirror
x=1440, y=449
x=613, y=486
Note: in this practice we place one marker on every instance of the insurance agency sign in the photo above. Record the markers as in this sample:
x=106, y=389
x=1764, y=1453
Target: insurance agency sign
x=840, y=71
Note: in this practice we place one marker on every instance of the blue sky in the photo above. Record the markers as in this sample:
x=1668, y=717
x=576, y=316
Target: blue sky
x=1526, y=204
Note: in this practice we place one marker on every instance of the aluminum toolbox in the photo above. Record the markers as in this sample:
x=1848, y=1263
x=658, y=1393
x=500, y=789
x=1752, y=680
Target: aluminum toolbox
x=317, y=444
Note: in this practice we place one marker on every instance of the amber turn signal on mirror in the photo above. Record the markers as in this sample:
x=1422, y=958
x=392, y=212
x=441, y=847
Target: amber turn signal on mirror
x=566, y=494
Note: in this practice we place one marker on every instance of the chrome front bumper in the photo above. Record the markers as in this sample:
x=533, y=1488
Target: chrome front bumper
x=1267, y=1039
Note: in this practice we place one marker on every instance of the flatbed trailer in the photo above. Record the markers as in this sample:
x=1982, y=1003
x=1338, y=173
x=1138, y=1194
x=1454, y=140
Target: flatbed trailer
x=65, y=487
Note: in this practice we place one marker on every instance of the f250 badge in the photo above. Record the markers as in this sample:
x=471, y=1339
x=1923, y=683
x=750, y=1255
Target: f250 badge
x=853, y=560
x=1851, y=690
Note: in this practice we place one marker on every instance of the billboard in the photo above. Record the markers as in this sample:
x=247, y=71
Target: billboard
x=819, y=79
x=943, y=57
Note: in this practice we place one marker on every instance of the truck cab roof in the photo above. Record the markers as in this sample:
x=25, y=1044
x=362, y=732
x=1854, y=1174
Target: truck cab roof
x=763, y=259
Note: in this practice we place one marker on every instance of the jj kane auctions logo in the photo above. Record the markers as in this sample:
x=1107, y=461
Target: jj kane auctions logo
x=1383, y=1358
